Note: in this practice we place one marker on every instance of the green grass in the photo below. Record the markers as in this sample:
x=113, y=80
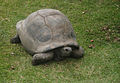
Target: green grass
x=97, y=20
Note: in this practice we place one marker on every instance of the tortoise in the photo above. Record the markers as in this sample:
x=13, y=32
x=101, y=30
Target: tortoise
x=47, y=34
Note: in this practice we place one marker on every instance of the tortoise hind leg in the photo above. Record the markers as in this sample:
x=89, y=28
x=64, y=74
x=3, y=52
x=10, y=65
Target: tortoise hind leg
x=15, y=40
x=41, y=58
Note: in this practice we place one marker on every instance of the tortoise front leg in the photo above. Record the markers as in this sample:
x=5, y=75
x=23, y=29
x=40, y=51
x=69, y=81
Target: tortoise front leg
x=15, y=39
x=77, y=53
x=41, y=58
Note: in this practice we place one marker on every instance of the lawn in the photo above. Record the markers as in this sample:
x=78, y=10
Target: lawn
x=96, y=20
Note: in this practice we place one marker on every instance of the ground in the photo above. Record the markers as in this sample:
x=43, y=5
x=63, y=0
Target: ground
x=97, y=27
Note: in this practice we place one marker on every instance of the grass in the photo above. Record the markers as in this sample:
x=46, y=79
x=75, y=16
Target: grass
x=97, y=20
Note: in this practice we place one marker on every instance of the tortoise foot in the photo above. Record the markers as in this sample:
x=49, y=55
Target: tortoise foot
x=41, y=58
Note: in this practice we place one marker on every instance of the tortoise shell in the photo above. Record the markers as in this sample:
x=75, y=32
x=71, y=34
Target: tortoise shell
x=45, y=30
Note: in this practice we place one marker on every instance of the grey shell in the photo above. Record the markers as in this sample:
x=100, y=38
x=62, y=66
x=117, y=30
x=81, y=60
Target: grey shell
x=45, y=30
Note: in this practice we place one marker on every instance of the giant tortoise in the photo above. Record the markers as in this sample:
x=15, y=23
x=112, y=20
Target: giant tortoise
x=47, y=34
